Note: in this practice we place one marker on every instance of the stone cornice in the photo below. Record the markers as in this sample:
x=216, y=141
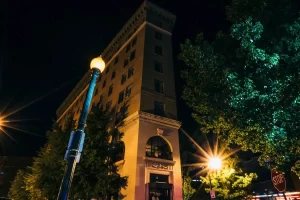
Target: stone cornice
x=144, y=116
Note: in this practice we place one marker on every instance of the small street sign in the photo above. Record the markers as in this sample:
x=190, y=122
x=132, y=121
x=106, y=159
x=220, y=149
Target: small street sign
x=278, y=180
x=212, y=194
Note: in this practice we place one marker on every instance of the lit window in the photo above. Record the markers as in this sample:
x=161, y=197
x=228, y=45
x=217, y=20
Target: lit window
x=126, y=61
x=128, y=47
x=128, y=91
x=158, y=50
x=157, y=147
x=130, y=72
x=104, y=84
x=132, y=55
x=110, y=90
x=159, y=108
x=134, y=41
x=159, y=86
x=123, y=79
x=116, y=60
x=113, y=74
x=121, y=96
x=158, y=67
x=158, y=36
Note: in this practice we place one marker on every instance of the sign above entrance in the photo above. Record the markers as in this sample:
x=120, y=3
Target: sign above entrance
x=278, y=180
x=212, y=194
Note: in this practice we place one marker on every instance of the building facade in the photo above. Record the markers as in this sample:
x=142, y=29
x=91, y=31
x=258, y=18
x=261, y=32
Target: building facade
x=139, y=74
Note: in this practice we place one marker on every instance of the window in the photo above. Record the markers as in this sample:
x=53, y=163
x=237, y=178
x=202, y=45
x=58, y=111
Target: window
x=123, y=79
x=96, y=92
x=78, y=110
x=128, y=91
x=159, y=178
x=126, y=61
x=128, y=47
x=121, y=97
x=107, y=69
x=157, y=147
x=134, y=41
x=121, y=154
x=108, y=105
x=158, y=36
x=130, y=72
x=132, y=55
x=113, y=74
x=99, y=78
x=116, y=60
x=159, y=108
x=158, y=50
x=159, y=86
x=101, y=99
x=110, y=90
x=158, y=67
x=104, y=84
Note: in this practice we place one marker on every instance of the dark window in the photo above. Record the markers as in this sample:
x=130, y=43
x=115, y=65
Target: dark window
x=116, y=60
x=121, y=96
x=78, y=110
x=126, y=61
x=159, y=86
x=96, y=92
x=121, y=151
x=158, y=36
x=104, y=84
x=113, y=74
x=128, y=91
x=123, y=79
x=99, y=78
x=130, y=72
x=107, y=69
x=159, y=178
x=132, y=55
x=158, y=50
x=108, y=105
x=158, y=67
x=101, y=99
x=159, y=108
x=110, y=90
x=157, y=147
x=128, y=47
x=159, y=24
x=134, y=41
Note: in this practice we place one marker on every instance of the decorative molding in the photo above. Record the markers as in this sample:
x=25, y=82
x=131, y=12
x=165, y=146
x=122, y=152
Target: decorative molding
x=143, y=116
x=160, y=132
x=160, y=164
x=152, y=93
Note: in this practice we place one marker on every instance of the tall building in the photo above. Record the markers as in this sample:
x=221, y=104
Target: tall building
x=140, y=74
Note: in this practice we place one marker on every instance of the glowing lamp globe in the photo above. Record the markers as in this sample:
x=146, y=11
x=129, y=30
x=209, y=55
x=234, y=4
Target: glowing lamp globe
x=98, y=63
x=215, y=163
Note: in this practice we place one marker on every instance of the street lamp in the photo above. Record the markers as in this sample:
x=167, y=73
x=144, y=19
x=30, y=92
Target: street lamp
x=76, y=140
x=214, y=163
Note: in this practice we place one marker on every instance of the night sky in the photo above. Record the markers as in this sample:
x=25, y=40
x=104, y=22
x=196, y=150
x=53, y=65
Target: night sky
x=46, y=48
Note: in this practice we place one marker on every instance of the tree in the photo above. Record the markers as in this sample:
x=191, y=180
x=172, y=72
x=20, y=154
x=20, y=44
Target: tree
x=245, y=85
x=230, y=182
x=18, y=187
x=97, y=172
x=188, y=190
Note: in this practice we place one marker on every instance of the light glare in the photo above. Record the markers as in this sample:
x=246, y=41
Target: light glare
x=215, y=163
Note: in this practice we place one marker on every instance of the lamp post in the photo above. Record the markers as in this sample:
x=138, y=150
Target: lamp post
x=214, y=163
x=76, y=140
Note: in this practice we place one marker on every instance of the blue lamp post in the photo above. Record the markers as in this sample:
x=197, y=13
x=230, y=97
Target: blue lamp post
x=77, y=136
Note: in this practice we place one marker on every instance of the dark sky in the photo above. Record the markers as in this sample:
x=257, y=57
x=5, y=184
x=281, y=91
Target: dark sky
x=46, y=46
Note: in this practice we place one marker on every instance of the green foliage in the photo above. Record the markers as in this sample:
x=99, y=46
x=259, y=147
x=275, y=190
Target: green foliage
x=18, y=187
x=96, y=172
x=245, y=85
x=188, y=190
x=230, y=182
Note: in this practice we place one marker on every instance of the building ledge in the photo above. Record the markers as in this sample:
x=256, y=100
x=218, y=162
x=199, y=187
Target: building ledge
x=144, y=116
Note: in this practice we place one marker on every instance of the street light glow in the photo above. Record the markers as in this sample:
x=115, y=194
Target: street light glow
x=98, y=63
x=215, y=163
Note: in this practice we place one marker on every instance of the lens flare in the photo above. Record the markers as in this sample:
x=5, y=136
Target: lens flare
x=208, y=158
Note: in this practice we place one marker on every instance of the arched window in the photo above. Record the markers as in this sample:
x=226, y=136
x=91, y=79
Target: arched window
x=157, y=147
